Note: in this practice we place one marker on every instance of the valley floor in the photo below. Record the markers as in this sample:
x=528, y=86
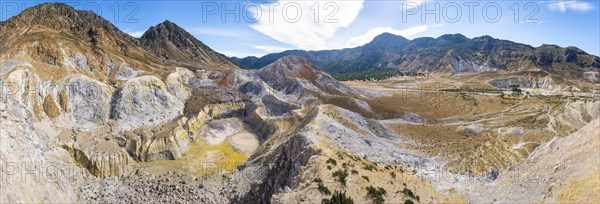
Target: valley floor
x=486, y=145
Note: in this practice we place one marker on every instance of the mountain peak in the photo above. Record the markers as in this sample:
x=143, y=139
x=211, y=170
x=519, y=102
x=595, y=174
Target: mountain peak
x=294, y=74
x=167, y=22
x=48, y=6
x=174, y=44
x=295, y=63
x=454, y=37
x=292, y=67
x=293, y=59
x=387, y=38
x=170, y=25
x=64, y=19
x=52, y=5
x=388, y=35
x=166, y=29
x=58, y=16
x=484, y=38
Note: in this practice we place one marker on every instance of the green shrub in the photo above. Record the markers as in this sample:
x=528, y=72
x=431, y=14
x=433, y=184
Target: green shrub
x=365, y=177
x=354, y=171
x=331, y=161
x=338, y=198
x=340, y=156
x=369, y=167
x=516, y=90
x=408, y=202
x=323, y=189
x=408, y=193
x=341, y=176
x=393, y=174
x=321, y=186
x=376, y=193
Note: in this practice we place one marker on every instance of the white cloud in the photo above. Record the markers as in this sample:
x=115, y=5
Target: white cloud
x=269, y=48
x=371, y=34
x=564, y=6
x=136, y=34
x=281, y=21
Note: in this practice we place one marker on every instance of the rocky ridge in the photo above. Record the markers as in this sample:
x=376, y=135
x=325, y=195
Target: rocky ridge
x=173, y=44
x=389, y=55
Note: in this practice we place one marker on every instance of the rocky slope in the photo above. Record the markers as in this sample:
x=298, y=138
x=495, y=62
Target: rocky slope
x=71, y=41
x=390, y=55
x=23, y=147
x=176, y=46
x=567, y=168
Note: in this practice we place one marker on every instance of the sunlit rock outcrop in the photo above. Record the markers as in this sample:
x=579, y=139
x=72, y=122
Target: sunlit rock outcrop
x=144, y=101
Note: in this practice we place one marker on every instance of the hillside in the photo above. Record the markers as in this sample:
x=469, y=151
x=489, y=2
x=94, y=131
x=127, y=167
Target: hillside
x=389, y=55
x=50, y=33
x=174, y=45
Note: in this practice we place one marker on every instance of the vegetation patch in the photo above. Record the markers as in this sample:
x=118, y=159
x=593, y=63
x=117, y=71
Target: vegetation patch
x=376, y=193
x=370, y=167
x=365, y=177
x=407, y=192
x=338, y=198
x=340, y=176
x=322, y=188
x=331, y=161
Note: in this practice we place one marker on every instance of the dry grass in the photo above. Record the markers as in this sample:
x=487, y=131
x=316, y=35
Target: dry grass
x=361, y=174
x=436, y=105
x=464, y=151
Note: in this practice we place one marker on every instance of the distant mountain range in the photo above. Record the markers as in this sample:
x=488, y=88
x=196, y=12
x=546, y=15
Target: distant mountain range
x=390, y=54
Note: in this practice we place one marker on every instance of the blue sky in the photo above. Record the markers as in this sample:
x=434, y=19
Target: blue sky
x=242, y=28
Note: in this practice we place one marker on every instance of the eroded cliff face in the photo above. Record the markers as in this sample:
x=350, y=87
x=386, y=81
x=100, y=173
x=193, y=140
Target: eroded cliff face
x=144, y=101
x=112, y=130
x=285, y=164
x=34, y=168
x=96, y=152
x=73, y=101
